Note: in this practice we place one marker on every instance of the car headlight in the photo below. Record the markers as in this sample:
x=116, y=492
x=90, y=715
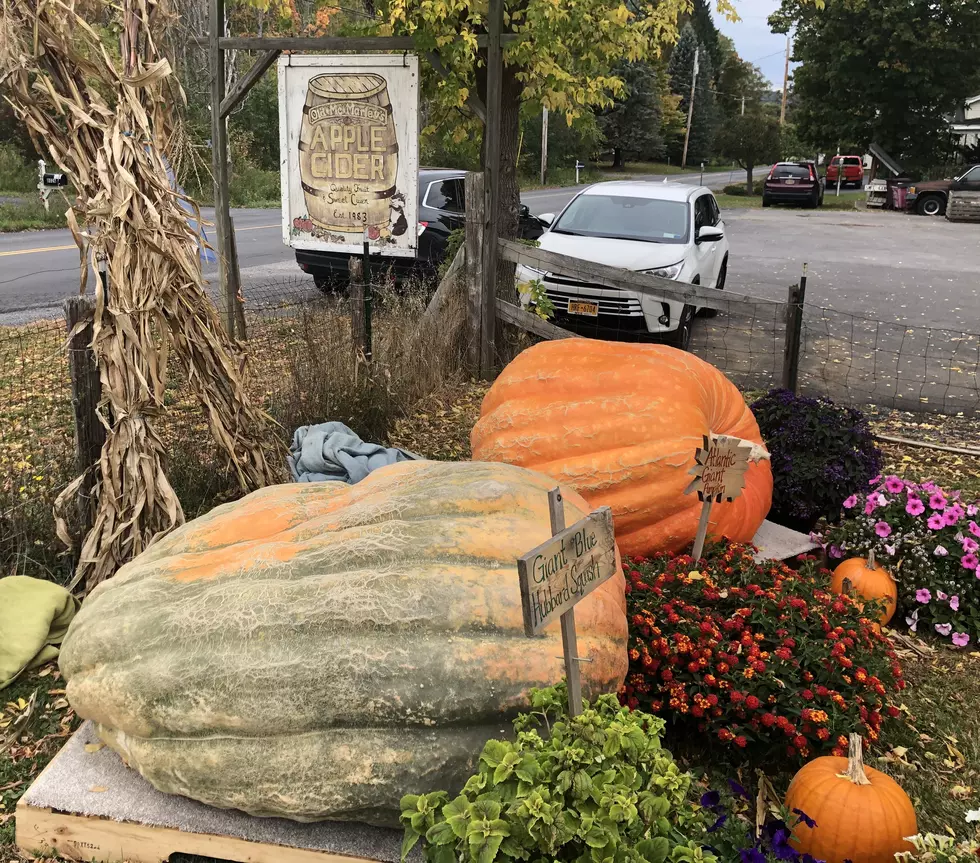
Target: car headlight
x=911, y=190
x=671, y=272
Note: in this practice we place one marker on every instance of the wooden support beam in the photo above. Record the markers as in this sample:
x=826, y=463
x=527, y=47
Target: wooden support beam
x=526, y=320
x=219, y=165
x=605, y=276
x=249, y=80
x=491, y=170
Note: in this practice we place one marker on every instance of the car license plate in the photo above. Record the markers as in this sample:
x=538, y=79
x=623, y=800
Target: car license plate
x=576, y=307
x=791, y=182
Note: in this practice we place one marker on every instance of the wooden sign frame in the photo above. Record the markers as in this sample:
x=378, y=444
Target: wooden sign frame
x=569, y=566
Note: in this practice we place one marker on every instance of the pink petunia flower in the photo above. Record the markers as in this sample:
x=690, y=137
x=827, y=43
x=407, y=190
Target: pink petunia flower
x=975, y=528
x=960, y=512
x=915, y=506
x=874, y=480
x=913, y=620
x=940, y=551
x=869, y=504
x=850, y=502
x=950, y=517
x=889, y=549
x=928, y=486
x=970, y=544
x=944, y=628
x=961, y=639
x=936, y=521
x=883, y=529
x=937, y=500
x=972, y=509
x=969, y=561
x=893, y=484
x=923, y=595
x=954, y=602
x=941, y=595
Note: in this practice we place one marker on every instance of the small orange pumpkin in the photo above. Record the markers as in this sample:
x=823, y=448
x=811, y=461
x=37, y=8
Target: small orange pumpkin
x=860, y=813
x=869, y=580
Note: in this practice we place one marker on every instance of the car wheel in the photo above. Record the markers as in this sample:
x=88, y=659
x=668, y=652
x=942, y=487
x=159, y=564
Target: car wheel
x=931, y=205
x=720, y=286
x=681, y=337
x=765, y=201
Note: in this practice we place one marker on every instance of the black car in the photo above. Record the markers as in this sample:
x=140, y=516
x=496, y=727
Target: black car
x=793, y=183
x=442, y=209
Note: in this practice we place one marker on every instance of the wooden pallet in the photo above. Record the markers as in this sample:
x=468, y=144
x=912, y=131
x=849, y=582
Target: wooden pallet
x=963, y=207
x=86, y=805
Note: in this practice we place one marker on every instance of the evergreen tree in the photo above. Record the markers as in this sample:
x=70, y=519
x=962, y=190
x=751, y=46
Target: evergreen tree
x=704, y=119
x=708, y=35
x=633, y=125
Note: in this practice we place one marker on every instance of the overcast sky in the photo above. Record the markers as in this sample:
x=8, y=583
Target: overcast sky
x=753, y=41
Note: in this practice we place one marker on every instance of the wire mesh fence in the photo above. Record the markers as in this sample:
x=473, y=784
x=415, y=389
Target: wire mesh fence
x=303, y=367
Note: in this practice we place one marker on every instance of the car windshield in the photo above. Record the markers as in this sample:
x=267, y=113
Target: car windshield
x=625, y=218
x=793, y=172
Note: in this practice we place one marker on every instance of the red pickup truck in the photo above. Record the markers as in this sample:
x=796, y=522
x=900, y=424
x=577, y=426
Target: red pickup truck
x=853, y=171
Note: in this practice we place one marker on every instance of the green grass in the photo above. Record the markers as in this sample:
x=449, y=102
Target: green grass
x=31, y=215
x=560, y=177
x=741, y=202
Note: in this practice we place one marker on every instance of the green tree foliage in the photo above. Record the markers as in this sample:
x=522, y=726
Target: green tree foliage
x=736, y=80
x=750, y=139
x=258, y=119
x=884, y=72
x=704, y=119
x=708, y=35
x=633, y=125
x=567, y=142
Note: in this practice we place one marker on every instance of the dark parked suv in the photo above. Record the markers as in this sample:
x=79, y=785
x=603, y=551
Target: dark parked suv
x=793, y=183
x=442, y=209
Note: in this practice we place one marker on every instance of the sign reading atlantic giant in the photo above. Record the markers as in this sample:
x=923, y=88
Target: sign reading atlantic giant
x=348, y=135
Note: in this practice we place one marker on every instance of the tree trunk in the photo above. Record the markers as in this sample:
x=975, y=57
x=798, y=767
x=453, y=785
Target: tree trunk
x=510, y=132
x=618, y=158
x=749, y=170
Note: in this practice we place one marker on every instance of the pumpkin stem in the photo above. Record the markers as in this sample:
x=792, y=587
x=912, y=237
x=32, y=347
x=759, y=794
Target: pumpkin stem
x=855, y=761
x=871, y=559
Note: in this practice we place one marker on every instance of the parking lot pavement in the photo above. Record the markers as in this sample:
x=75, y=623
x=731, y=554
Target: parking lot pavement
x=882, y=265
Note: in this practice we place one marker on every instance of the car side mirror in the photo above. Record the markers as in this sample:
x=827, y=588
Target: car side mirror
x=710, y=234
x=546, y=218
x=525, y=211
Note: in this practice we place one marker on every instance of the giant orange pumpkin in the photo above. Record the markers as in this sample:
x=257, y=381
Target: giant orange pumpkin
x=318, y=650
x=869, y=580
x=620, y=423
x=861, y=814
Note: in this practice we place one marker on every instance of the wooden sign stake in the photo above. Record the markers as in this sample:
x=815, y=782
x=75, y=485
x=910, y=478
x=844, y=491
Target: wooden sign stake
x=702, y=533
x=569, y=643
x=561, y=572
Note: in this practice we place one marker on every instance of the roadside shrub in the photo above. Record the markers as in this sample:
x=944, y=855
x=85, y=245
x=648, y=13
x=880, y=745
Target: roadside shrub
x=596, y=787
x=929, y=540
x=739, y=190
x=16, y=173
x=756, y=654
x=820, y=453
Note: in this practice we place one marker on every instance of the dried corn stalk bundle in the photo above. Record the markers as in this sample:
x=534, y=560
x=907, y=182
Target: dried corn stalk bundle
x=106, y=120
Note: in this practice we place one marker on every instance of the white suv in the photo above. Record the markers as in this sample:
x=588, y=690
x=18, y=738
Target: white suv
x=666, y=229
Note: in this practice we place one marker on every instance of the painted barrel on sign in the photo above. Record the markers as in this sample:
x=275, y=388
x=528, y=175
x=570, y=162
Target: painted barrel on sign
x=348, y=155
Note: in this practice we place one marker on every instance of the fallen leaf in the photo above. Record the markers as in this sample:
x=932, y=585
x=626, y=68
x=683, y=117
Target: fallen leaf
x=60, y=704
x=93, y=747
x=98, y=789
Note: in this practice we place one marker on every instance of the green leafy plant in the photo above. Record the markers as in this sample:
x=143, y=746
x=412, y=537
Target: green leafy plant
x=535, y=298
x=596, y=787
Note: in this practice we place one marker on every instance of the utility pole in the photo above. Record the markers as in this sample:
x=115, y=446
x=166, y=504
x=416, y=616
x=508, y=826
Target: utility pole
x=782, y=110
x=743, y=106
x=544, y=145
x=690, y=107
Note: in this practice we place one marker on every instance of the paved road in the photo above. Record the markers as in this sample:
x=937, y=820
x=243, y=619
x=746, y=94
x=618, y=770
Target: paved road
x=38, y=269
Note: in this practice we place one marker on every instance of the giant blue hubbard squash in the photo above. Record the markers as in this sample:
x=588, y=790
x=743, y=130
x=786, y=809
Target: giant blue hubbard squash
x=317, y=650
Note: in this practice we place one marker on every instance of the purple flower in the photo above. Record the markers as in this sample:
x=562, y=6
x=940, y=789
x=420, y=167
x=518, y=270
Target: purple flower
x=850, y=502
x=883, y=529
x=950, y=517
x=969, y=561
x=960, y=512
x=710, y=799
x=874, y=480
x=834, y=551
x=913, y=620
x=915, y=506
x=923, y=595
x=889, y=549
x=751, y=855
x=738, y=789
x=937, y=500
x=974, y=528
x=972, y=509
x=869, y=504
x=954, y=602
x=928, y=486
x=944, y=628
x=893, y=484
x=970, y=544
x=781, y=847
x=805, y=819
x=940, y=551
x=961, y=639
x=936, y=521
x=719, y=823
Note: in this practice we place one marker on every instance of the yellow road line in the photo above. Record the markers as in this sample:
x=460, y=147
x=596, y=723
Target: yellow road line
x=73, y=246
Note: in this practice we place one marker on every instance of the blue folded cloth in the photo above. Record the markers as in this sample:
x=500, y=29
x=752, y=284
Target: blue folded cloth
x=331, y=451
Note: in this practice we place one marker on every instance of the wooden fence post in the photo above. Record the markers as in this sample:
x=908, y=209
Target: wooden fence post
x=358, y=329
x=86, y=393
x=475, y=283
x=794, y=329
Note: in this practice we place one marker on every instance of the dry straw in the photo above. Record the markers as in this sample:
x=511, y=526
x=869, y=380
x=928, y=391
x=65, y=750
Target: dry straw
x=102, y=109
